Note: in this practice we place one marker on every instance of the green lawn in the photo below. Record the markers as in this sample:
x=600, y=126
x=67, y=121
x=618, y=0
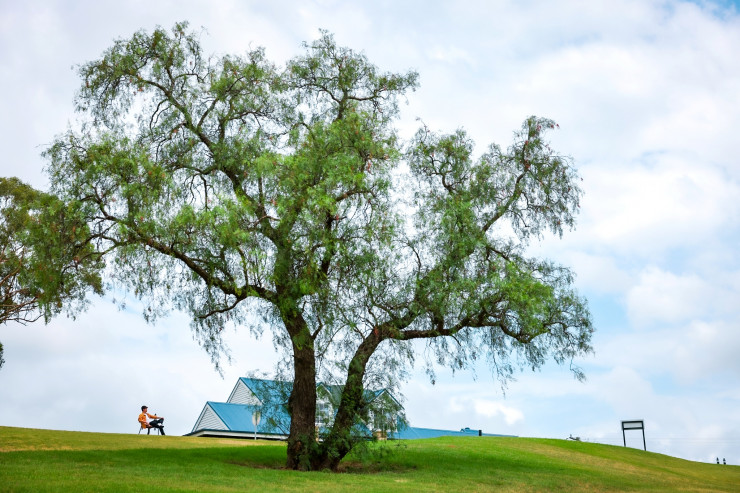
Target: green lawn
x=45, y=460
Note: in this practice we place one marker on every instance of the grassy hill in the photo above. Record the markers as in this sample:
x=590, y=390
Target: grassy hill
x=45, y=460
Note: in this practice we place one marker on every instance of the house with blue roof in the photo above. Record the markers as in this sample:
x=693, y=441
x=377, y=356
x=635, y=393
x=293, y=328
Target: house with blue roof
x=257, y=408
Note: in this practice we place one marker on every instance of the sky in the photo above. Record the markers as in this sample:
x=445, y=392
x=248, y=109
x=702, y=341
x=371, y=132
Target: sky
x=647, y=96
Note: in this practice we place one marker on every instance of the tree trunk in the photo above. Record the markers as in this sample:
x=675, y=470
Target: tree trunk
x=302, y=445
x=339, y=442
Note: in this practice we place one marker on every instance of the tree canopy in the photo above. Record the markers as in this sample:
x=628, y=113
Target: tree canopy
x=47, y=263
x=238, y=191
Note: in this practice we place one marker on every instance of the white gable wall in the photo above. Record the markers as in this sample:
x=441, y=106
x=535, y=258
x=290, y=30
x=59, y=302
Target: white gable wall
x=209, y=420
x=242, y=395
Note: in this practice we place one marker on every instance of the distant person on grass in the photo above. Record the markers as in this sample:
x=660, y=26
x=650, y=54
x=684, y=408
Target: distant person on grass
x=156, y=421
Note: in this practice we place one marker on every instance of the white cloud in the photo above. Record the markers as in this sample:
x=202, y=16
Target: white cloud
x=491, y=409
x=451, y=55
x=597, y=273
x=648, y=210
x=664, y=297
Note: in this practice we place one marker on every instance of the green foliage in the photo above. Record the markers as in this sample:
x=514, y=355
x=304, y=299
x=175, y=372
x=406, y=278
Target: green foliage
x=47, y=263
x=248, y=189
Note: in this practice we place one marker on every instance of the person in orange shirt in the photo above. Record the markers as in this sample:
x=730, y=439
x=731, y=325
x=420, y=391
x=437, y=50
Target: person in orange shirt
x=156, y=421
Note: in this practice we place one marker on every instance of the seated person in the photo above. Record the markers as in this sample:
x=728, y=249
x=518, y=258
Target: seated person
x=156, y=421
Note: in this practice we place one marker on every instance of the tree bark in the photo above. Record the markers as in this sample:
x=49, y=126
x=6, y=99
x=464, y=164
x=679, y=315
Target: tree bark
x=302, y=401
x=340, y=440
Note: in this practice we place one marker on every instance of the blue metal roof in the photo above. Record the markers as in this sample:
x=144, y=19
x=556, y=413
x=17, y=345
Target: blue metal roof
x=412, y=433
x=274, y=420
x=269, y=391
x=335, y=391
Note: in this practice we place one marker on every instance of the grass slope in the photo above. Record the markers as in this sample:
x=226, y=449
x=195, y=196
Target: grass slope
x=45, y=460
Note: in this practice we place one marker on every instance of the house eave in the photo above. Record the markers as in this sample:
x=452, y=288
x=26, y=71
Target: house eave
x=245, y=435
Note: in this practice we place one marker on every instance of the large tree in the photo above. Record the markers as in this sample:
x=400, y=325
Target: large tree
x=47, y=262
x=234, y=189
